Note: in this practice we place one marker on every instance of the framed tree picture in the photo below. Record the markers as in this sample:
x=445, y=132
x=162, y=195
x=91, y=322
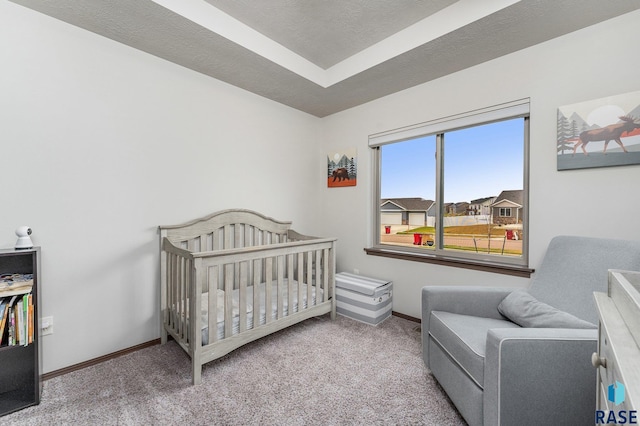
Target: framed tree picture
x=599, y=133
x=342, y=168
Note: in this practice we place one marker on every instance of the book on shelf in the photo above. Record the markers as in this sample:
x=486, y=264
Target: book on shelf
x=24, y=313
x=17, y=319
x=11, y=334
x=25, y=320
x=4, y=310
x=31, y=318
x=12, y=323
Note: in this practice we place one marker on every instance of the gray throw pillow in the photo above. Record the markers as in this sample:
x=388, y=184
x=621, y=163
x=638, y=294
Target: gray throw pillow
x=526, y=311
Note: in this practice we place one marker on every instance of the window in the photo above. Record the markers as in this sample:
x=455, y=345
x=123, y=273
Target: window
x=455, y=189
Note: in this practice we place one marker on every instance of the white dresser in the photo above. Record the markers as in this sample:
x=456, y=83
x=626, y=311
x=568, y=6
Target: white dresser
x=618, y=356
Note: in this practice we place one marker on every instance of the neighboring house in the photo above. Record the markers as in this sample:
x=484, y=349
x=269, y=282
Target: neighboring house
x=507, y=209
x=456, y=209
x=481, y=206
x=405, y=211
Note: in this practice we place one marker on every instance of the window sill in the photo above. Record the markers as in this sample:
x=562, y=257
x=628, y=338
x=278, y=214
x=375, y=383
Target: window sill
x=514, y=270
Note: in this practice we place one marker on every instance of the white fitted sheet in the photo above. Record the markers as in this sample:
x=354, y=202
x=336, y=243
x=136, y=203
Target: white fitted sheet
x=250, y=307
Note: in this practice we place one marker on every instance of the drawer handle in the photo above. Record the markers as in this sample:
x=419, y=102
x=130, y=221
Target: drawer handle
x=598, y=361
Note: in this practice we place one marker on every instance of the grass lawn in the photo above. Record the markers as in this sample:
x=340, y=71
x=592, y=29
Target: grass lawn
x=494, y=250
x=459, y=230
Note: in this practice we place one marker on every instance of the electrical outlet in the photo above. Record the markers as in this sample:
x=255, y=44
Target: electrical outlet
x=46, y=326
x=356, y=271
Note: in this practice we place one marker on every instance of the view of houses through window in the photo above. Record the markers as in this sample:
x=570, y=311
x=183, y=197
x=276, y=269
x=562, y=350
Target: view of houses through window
x=480, y=182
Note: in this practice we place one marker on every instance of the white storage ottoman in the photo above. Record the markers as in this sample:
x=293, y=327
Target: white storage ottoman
x=364, y=299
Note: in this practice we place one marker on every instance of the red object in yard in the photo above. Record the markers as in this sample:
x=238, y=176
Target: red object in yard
x=387, y=229
x=417, y=239
x=509, y=234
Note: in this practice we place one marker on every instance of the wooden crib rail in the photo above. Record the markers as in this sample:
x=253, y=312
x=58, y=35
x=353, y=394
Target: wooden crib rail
x=227, y=229
x=259, y=251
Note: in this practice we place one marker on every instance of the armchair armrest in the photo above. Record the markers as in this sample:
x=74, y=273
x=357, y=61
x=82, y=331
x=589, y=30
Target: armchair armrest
x=529, y=371
x=465, y=300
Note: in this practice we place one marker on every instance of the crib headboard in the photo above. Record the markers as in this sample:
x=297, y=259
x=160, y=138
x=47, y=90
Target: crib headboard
x=227, y=229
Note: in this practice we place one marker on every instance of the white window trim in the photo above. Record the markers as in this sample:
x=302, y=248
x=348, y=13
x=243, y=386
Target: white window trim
x=519, y=108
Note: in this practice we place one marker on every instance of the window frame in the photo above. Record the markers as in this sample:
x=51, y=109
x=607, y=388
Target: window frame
x=506, y=265
x=501, y=214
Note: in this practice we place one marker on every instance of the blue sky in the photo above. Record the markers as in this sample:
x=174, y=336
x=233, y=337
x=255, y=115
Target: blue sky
x=480, y=162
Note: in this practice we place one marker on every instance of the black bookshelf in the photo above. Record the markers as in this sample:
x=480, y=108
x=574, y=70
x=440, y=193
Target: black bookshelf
x=20, y=366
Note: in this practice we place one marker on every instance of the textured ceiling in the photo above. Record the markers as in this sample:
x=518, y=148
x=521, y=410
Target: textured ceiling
x=324, y=56
x=326, y=32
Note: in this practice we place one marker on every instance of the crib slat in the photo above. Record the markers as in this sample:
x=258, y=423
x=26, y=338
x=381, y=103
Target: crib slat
x=228, y=241
x=228, y=299
x=318, y=279
x=193, y=308
x=177, y=295
x=215, y=237
x=171, y=258
x=325, y=275
x=204, y=246
x=237, y=231
x=213, y=303
x=300, y=280
x=256, y=236
x=290, y=284
x=176, y=290
x=242, y=303
x=257, y=273
x=267, y=289
x=167, y=289
x=332, y=281
x=247, y=235
x=183, y=298
x=280, y=288
x=309, y=276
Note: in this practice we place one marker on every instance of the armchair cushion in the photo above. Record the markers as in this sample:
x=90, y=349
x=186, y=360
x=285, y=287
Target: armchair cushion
x=529, y=371
x=526, y=311
x=464, y=338
x=464, y=300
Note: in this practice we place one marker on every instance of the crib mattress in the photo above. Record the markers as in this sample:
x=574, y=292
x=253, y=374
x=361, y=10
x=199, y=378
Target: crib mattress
x=250, y=308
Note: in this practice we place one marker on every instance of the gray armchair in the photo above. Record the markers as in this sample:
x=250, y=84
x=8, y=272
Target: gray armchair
x=499, y=373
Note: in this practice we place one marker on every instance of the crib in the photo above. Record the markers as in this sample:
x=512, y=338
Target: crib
x=235, y=276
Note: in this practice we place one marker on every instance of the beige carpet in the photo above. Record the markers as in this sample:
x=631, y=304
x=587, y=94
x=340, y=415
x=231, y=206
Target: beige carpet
x=319, y=372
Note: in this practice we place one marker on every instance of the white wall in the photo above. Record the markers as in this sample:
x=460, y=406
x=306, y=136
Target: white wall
x=94, y=136
x=93, y=133
x=592, y=63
